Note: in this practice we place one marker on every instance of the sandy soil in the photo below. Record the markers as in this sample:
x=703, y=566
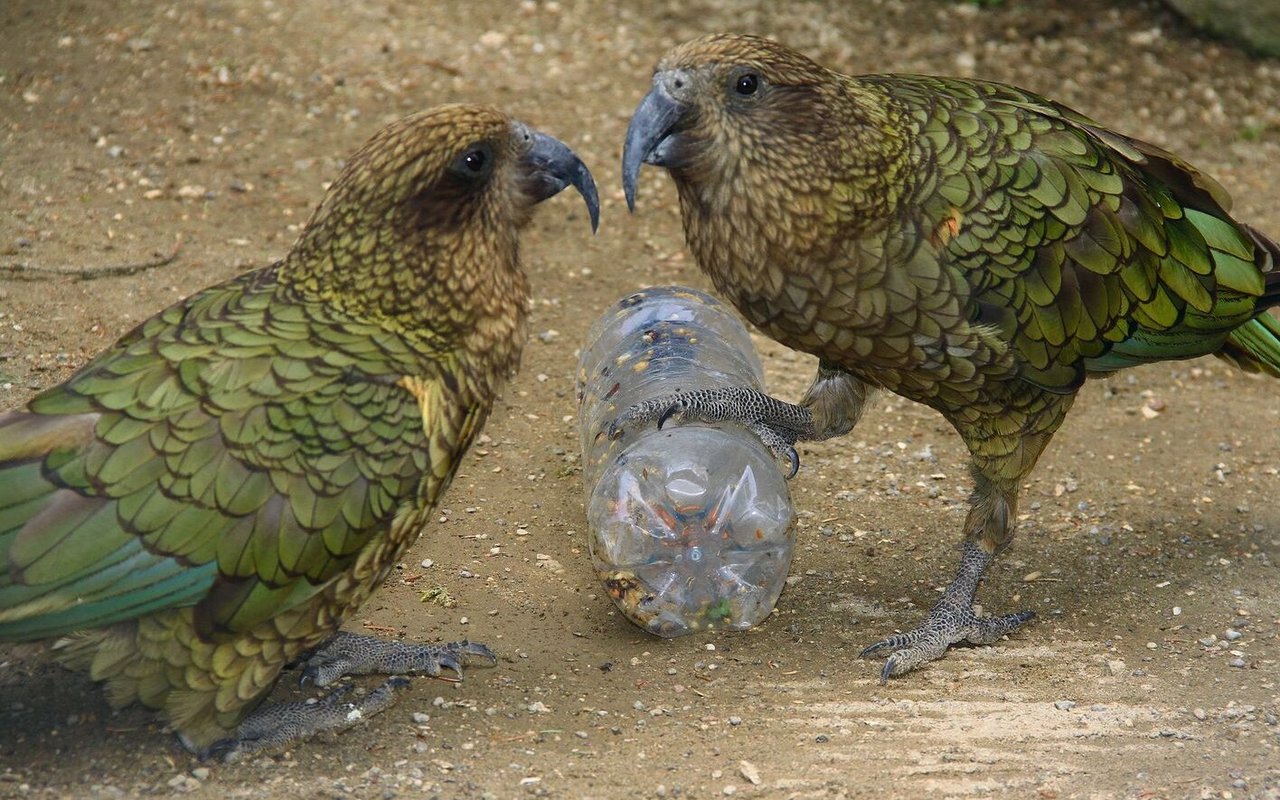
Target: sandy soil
x=1149, y=534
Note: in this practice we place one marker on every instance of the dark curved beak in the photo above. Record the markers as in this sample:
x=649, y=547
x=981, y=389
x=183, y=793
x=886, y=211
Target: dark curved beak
x=553, y=166
x=649, y=137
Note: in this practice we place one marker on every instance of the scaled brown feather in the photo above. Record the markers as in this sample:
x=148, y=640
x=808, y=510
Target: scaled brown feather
x=220, y=490
x=968, y=245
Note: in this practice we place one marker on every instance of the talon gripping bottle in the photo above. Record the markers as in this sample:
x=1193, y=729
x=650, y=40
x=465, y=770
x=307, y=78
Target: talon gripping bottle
x=691, y=524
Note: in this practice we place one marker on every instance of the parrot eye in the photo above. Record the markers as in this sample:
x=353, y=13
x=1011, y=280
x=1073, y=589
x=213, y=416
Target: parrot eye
x=747, y=84
x=474, y=163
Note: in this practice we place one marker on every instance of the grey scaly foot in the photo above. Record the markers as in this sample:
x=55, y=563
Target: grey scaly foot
x=779, y=425
x=357, y=654
x=950, y=622
x=274, y=726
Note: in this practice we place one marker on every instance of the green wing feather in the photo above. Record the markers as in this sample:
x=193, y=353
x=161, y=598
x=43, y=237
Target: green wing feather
x=233, y=453
x=1122, y=253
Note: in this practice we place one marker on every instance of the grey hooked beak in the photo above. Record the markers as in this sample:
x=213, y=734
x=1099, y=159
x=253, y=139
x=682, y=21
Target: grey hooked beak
x=649, y=137
x=553, y=166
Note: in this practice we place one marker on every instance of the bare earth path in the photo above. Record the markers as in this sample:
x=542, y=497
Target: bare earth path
x=1151, y=538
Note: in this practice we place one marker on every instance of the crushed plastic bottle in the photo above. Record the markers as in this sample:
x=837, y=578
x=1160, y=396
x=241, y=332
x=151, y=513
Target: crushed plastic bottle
x=691, y=524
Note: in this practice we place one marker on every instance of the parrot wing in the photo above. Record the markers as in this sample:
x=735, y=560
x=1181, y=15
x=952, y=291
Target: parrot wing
x=233, y=453
x=1085, y=250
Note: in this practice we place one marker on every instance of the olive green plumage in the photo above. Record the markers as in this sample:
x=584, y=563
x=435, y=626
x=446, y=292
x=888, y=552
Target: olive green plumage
x=219, y=490
x=969, y=245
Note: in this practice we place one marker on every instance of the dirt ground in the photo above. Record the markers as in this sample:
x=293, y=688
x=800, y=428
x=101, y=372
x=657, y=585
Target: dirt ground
x=1149, y=542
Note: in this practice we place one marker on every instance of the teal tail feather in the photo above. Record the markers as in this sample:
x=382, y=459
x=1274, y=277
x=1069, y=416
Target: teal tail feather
x=1255, y=346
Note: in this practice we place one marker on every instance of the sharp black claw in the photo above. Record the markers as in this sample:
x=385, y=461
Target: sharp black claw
x=446, y=661
x=614, y=430
x=886, y=672
x=668, y=414
x=870, y=650
x=460, y=653
x=218, y=749
x=478, y=649
x=794, y=458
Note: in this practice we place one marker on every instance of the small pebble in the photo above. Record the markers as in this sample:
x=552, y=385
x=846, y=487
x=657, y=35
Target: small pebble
x=1238, y=663
x=1200, y=714
x=420, y=718
x=1064, y=705
x=735, y=721
x=1232, y=634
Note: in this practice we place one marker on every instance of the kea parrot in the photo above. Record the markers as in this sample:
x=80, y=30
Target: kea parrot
x=967, y=245
x=210, y=498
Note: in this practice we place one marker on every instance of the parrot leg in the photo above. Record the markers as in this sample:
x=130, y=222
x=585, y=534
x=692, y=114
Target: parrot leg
x=950, y=622
x=998, y=470
x=274, y=726
x=778, y=424
x=356, y=654
x=831, y=407
x=279, y=724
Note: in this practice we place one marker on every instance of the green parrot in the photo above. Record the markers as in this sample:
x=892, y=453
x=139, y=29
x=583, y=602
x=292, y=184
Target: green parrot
x=968, y=245
x=211, y=497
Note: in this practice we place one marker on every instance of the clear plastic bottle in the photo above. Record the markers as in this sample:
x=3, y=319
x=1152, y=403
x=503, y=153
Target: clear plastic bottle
x=691, y=524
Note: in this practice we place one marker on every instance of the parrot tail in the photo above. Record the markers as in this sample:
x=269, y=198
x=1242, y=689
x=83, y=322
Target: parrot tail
x=1255, y=346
